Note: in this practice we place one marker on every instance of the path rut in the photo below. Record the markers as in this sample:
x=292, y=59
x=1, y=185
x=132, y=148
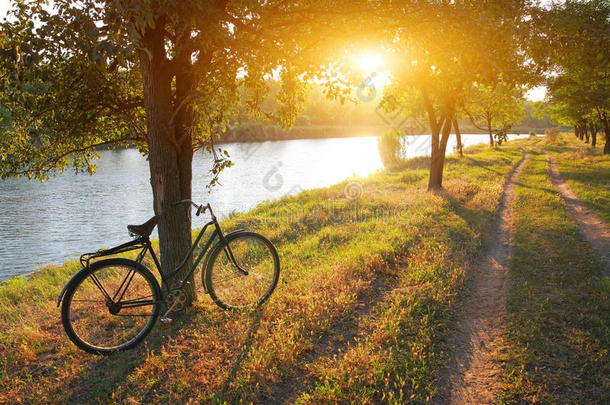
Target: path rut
x=595, y=230
x=473, y=375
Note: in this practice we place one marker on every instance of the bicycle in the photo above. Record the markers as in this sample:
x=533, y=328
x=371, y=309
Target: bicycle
x=111, y=305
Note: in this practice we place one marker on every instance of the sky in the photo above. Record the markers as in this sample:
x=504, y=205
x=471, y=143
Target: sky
x=4, y=5
x=535, y=94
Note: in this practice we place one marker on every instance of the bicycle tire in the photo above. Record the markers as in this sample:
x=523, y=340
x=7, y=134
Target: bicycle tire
x=81, y=323
x=232, y=296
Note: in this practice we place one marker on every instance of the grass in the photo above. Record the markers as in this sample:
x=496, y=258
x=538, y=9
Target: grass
x=558, y=302
x=586, y=170
x=366, y=296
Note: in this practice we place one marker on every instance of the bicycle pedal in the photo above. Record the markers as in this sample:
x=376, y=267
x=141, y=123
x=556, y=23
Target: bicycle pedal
x=165, y=320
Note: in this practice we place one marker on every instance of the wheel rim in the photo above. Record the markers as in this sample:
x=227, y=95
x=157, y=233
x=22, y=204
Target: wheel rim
x=230, y=285
x=110, y=324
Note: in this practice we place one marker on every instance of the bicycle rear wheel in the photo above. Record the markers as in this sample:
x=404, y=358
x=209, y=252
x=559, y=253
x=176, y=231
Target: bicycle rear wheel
x=249, y=279
x=111, y=307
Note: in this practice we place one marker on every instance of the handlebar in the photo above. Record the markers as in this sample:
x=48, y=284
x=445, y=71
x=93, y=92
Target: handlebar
x=201, y=209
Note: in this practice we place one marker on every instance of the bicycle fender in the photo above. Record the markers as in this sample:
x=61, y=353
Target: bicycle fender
x=63, y=291
x=207, y=255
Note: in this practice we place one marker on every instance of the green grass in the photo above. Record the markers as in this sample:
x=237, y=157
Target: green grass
x=399, y=251
x=586, y=170
x=558, y=302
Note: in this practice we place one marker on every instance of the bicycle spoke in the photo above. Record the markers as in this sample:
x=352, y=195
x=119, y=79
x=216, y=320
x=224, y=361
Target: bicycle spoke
x=130, y=276
x=107, y=324
x=242, y=273
x=100, y=286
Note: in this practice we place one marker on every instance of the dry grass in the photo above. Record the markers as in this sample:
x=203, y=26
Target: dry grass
x=559, y=302
x=586, y=170
x=365, y=298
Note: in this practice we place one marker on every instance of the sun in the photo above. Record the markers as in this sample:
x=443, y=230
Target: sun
x=369, y=62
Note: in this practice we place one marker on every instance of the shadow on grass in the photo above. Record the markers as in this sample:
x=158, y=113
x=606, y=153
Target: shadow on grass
x=108, y=372
x=254, y=326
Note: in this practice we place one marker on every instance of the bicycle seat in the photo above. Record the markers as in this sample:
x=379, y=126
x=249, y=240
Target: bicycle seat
x=145, y=229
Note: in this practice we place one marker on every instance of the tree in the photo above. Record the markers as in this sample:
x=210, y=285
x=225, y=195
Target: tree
x=444, y=48
x=574, y=43
x=391, y=148
x=458, y=137
x=160, y=75
x=495, y=108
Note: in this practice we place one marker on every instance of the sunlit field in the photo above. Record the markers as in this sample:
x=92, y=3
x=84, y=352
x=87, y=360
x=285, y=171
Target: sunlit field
x=410, y=202
x=365, y=297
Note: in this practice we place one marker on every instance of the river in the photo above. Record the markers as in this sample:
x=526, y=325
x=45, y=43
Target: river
x=70, y=214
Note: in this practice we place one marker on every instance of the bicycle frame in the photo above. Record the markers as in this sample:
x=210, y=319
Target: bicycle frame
x=166, y=278
x=145, y=245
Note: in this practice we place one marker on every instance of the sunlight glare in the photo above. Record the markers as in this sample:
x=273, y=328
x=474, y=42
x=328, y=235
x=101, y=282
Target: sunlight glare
x=370, y=62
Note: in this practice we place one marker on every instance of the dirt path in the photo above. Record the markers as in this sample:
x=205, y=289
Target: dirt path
x=473, y=377
x=595, y=230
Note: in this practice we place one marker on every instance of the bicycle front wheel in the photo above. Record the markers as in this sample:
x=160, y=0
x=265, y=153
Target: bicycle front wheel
x=111, y=307
x=243, y=272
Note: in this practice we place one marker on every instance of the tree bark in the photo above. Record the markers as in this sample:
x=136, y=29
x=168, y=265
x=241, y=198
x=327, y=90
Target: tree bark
x=169, y=156
x=586, y=132
x=606, y=124
x=458, y=137
x=435, y=181
x=437, y=162
x=491, y=136
x=593, y=133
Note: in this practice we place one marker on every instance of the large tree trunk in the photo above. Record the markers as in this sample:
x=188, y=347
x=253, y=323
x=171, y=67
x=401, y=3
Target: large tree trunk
x=169, y=158
x=458, y=137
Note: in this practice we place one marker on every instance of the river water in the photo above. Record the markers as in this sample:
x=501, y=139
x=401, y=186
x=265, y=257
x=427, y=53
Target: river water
x=70, y=214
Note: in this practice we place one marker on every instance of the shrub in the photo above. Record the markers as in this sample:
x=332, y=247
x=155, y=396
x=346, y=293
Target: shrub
x=532, y=134
x=551, y=135
x=391, y=148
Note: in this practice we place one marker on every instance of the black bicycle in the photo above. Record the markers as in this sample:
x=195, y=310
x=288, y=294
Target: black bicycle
x=112, y=304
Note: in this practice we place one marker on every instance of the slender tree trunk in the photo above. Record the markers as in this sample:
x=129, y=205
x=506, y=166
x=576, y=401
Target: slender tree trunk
x=491, y=136
x=169, y=156
x=593, y=133
x=435, y=166
x=458, y=137
x=437, y=163
x=586, y=131
x=439, y=146
x=606, y=124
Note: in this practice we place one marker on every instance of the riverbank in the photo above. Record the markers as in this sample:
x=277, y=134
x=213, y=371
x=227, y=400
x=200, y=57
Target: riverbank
x=365, y=300
x=259, y=132
x=119, y=193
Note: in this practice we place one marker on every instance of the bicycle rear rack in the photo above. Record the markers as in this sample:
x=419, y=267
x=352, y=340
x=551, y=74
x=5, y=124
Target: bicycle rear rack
x=86, y=258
